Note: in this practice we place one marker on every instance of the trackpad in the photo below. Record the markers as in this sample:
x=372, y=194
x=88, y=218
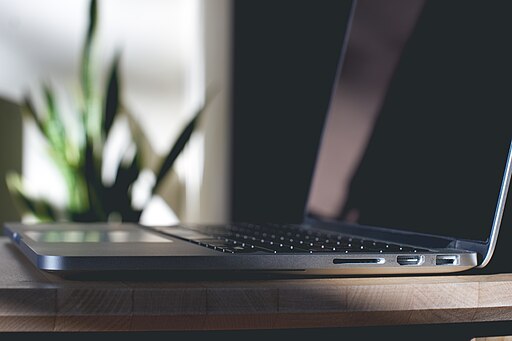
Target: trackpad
x=95, y=236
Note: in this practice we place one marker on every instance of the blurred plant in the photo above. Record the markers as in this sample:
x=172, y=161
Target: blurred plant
x=80, y=162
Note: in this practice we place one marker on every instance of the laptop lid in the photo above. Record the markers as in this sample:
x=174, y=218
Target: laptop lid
x=431, y=157
x=285, y=57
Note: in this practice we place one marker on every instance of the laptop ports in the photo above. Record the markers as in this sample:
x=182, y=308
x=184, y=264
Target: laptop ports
x=410, y=260
x=358, y=261
x=447, y=260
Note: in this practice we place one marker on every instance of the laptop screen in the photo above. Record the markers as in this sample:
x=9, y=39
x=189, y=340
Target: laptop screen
x=419, y=128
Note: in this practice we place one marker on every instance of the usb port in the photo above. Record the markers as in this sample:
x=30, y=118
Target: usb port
x=409, y=260
x=447, y=260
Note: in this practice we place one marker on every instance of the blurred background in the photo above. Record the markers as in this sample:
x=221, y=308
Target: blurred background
x=170, y=51
x=243, y=154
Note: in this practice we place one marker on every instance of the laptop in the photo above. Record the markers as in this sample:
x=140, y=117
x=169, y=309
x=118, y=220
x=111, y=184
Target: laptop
x=414, y=200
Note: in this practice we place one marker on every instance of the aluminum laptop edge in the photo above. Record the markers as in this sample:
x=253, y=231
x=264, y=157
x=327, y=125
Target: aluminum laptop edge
x=74, y=247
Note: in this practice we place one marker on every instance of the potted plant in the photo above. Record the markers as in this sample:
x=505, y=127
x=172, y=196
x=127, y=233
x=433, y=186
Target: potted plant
x=80, y=160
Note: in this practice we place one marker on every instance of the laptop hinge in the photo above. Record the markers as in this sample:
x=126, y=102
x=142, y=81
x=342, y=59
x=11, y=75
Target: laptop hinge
x=478, y=247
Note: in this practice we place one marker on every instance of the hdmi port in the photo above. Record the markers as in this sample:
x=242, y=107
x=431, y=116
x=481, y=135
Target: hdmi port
x=409, y=260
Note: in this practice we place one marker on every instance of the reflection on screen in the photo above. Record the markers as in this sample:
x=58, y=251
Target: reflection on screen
x=429, y=154
x=94, y=236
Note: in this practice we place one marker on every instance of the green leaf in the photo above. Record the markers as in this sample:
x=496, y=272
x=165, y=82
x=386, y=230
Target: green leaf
x=63, y=152
x=119, y=194
x=112, y=100
x=29, y=111
x=86, y=75
x=127, y=174
x=146, y=153
x=92, y=174
x=53, y=126
x=93, y=14
x=178, y=147
x=50, y=102
x=39, y=208
x=182, y=139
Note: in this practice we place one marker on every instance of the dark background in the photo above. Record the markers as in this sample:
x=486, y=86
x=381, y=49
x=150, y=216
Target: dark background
x=436, y=158
x=284, y=60
x=10, y=157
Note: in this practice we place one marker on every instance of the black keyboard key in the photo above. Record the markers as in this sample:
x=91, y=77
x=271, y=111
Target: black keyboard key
x=246, y=249
x=275, y=238
x=393, y=248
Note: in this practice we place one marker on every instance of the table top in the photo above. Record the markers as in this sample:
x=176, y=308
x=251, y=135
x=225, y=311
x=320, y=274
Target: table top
x=31, y=300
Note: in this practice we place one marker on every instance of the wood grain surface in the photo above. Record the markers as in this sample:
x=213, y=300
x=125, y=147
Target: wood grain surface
x=31, y=300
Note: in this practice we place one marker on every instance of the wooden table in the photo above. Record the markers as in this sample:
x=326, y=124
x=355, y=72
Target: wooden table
x=31, y=300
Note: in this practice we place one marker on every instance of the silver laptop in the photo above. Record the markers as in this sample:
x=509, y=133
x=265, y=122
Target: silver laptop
x=405, y=199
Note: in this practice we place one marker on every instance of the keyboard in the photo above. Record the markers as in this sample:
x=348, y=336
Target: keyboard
x=277, y=238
